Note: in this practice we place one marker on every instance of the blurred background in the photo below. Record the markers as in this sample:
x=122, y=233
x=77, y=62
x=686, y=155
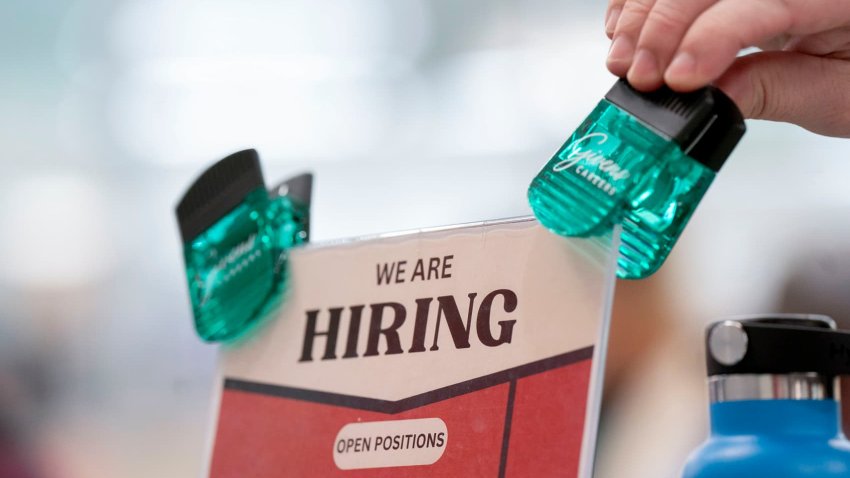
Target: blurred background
x=412, y=113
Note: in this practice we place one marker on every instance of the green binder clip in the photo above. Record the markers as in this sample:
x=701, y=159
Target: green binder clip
x=236, y=237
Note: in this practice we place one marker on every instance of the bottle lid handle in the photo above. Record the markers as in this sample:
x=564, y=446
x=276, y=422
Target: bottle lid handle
x=777, y=344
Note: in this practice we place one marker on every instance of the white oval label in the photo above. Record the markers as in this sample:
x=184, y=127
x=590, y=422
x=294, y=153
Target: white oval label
x=421, y=441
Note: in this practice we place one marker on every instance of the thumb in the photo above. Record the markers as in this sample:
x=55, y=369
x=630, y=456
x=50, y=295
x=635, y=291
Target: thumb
x=810, y=91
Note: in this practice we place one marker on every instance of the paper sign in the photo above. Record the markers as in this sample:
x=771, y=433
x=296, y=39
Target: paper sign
x=465, y=351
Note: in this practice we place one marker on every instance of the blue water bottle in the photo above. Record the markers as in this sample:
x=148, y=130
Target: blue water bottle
x=774, y=410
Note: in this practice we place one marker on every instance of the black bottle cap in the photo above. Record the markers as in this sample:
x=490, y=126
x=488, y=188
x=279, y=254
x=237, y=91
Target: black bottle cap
x=217, y=191
x=777, y=344
x=705, y=123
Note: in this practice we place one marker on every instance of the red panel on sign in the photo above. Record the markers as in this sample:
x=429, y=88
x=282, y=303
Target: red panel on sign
x=545, y=432
x=265, y=436
x=270, y=436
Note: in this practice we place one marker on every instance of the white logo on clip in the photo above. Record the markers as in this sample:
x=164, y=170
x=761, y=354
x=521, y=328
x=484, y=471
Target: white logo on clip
x=581, y=159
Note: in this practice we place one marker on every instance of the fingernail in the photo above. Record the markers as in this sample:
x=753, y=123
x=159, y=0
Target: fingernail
x=683, y=65
x=611, y=21
x=621, y=51
x=644, y=70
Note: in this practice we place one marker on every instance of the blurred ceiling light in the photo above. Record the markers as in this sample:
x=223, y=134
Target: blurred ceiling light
x=507, y=101
x=479, y=106
x=524, y=98
x=296, y=79
x=366, y=29
x=199, y=123
x=54, y=233
x=564, y=76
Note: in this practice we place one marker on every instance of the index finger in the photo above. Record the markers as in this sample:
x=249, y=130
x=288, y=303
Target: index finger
x=715, y=38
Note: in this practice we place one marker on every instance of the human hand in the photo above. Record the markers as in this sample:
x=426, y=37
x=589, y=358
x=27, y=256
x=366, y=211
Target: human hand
x=802, y=76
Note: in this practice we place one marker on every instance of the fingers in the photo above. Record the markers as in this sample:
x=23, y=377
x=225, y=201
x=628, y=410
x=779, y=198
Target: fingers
x=806, y=90
x=629, y=24
x=688, y=44
x=666, y=25
x=612, y=14
x=821, y=44
x=714, y=39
